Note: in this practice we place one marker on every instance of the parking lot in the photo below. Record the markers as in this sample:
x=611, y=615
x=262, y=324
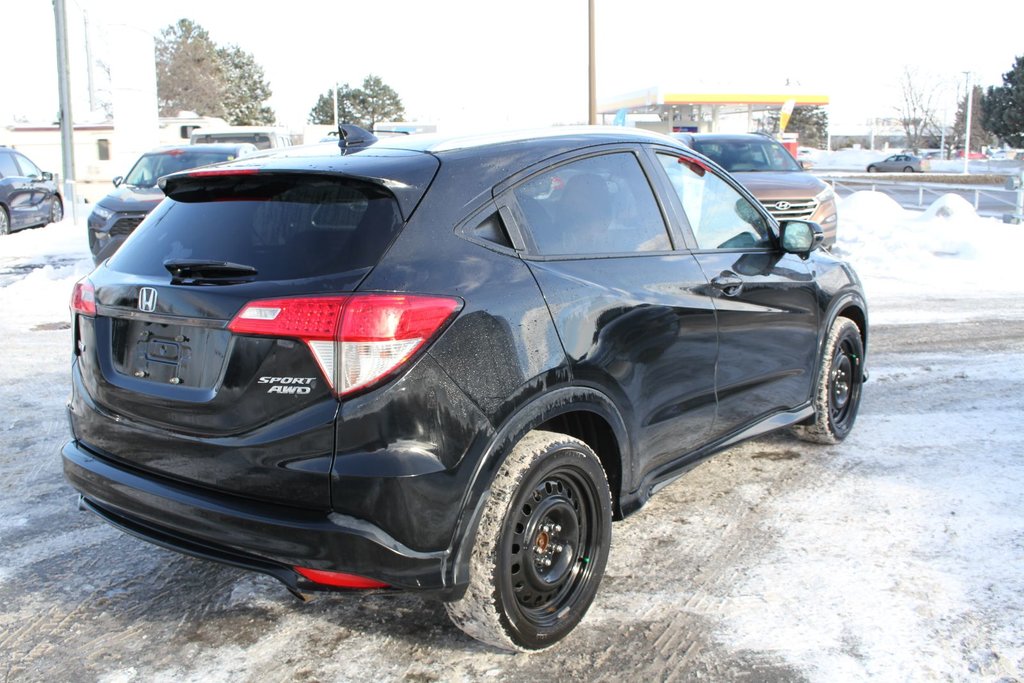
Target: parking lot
x=896, y=554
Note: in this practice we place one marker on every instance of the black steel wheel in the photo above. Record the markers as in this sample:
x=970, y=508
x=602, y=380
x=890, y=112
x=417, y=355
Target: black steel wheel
x=542, y=545
x=56, y=210
x=837, y=394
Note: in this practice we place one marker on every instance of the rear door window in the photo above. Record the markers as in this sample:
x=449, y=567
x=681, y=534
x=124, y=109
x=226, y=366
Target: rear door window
x=286, y=227
x=7, y=166
x=598, y=205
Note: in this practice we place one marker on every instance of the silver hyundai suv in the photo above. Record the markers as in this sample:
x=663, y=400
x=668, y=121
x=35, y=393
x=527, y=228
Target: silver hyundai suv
x=772, y=175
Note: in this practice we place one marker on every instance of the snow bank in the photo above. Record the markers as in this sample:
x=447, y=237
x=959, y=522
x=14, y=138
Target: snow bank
x=946, y=250
x=64, y=239
x=847, y=159
x=38, y=268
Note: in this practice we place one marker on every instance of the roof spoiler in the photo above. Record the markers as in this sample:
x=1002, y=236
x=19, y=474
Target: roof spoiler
x=353, y=138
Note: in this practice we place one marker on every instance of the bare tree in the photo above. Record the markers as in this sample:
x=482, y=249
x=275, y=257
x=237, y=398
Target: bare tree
x=917, y=111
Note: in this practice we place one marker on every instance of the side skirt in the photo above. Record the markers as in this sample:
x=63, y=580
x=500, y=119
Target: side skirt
x=666, y=474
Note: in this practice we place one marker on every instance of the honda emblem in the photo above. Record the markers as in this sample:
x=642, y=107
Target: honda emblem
x=147, y=299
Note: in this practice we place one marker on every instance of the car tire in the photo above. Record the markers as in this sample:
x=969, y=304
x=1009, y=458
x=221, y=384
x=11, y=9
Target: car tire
x=56, y=210
x=838, y=389
x=872, y=169
x=541, y=545
x=5, y=221
x=908, y=169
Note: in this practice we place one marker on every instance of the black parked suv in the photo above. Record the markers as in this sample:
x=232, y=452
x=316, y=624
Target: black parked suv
x=445, y=365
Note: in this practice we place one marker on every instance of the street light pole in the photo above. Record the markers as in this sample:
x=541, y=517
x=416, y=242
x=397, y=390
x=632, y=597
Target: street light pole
x=66, y=121
x=967, y=125
x=592, y=110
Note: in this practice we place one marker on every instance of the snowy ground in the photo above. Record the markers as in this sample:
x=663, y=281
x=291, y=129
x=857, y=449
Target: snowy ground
x=896, y=555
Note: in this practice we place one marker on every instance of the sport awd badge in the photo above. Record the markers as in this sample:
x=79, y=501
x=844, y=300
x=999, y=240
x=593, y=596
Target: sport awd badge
x=288, y=385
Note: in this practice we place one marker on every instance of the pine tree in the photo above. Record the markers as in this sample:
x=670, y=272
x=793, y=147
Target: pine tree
x=979, y=136
x=323, y=111
x=809, y=123
x=194, y=74
x=189, y=73
x=245, y=90
x=1003, y=106
x=375, y=101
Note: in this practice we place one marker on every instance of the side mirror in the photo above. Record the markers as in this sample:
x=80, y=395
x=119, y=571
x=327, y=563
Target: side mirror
x=47, y=176
x=800, y=237
x=118, y=180
x=804, y=165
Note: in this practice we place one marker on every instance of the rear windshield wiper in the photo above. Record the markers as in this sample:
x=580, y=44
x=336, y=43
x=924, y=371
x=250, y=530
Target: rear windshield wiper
x=194, y=270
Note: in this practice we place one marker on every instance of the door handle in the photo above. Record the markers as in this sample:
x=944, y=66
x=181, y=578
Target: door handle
x=728, y=284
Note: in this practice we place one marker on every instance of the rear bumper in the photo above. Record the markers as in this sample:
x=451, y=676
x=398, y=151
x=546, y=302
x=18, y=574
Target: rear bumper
x=259, y=536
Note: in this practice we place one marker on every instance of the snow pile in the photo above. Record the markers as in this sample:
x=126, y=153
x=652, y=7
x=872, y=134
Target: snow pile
x=848, y=593
x=849, y=159
x=64, y=239
x=948, y=249
x=38, y=268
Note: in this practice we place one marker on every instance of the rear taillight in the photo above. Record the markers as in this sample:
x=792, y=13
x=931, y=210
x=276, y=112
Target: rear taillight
x=357, y=340
x=83, y=297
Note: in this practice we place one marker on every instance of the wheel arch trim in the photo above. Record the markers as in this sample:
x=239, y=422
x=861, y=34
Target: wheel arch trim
x=549, y=405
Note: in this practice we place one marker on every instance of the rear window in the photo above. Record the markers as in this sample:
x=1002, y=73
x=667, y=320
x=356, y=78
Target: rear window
x=286, y=227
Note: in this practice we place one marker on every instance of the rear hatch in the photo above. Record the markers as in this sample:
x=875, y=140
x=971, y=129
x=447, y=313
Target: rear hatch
x=171, y=382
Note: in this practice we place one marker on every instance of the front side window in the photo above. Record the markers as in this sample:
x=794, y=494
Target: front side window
x=719, y=216
x=598, y=205
x=28, y=169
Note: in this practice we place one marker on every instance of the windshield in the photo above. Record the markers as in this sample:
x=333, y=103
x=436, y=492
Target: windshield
x=150, y=167
x=748, y=155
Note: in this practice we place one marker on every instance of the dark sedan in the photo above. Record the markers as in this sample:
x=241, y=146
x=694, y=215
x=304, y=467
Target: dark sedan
x=118, y=214
x=28, y=196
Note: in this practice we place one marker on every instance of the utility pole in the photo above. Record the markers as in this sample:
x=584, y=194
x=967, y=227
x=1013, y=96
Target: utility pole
x=967, y=125
x=88, y=64
x=66, y=121
x=592, y=110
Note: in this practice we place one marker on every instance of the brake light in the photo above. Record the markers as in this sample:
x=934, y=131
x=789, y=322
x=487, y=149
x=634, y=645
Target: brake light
x=339, y=579
x=83, y=297
x=222, y=171
x=357, y=340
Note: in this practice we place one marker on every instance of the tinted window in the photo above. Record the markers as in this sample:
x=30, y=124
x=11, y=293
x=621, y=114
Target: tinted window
x=148, y=169
x=746, y=155
x=286, y=228
x=719, y=216
x=600, y=205
x=7, y=166
x=28, y=169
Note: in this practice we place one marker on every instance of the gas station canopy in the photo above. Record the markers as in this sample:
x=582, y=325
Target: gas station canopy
x=705, y=110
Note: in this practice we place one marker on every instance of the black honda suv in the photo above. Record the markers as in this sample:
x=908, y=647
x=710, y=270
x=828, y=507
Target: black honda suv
x=445, y=365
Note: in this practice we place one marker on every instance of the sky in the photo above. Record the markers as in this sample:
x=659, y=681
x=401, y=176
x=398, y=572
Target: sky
x=481, y=65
